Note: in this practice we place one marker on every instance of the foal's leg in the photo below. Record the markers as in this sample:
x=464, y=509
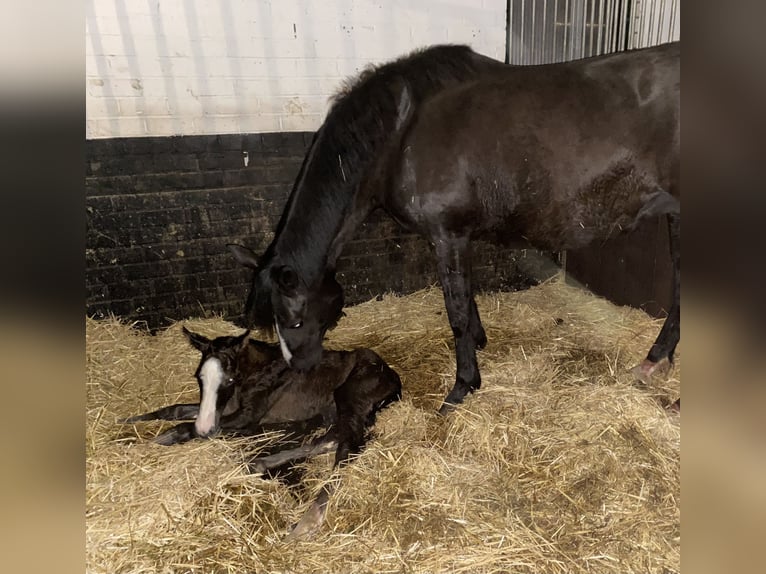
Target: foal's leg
x=664, y=346
x=454, y=267
x=178, y=434
x=322, y=445
x=369, y=388
x=179, y=412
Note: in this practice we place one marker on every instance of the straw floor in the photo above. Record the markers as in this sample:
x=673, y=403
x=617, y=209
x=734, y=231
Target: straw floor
x=560, y=463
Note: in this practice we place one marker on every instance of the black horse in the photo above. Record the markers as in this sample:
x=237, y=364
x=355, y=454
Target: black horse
x=555, y=156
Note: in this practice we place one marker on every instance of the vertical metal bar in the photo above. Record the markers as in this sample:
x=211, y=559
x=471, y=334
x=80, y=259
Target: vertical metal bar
x=592, y=20
x=566, y=29
x=555, y=29
x=533, y=39
x=607, y=26
x=509, y=40
x=584, y=27
x=660, y=30
x=673, y=8
x=544, y=41
x=652, y=23
x=601, y=19
x=521, y=36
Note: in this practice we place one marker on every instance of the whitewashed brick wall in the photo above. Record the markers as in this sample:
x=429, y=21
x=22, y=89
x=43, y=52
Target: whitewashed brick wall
x=185, y=67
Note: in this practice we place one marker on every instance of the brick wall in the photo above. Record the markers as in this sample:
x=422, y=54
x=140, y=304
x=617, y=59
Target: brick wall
x=160, y=212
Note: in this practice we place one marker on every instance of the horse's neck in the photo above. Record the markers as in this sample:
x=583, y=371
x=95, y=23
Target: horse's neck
x=321, y=216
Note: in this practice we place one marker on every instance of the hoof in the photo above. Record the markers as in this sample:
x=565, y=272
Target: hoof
x=647, y=369
x=310, y=523
x=446, y=409
x=257, y=466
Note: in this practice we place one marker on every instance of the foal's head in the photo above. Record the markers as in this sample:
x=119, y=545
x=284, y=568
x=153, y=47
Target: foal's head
x=300, y=313
x=217, y=375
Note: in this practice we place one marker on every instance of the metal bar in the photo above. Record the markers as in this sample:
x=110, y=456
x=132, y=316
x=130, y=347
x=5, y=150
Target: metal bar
x=590, y=30
x=652, y=23
x=555, y=29
x=544, y=41
x=566, y=29
x=584, y=28
x=607, y=26
x=599, y=46
x=521, y=36
x=509, y=35
x=673, y=18
x=533, y=39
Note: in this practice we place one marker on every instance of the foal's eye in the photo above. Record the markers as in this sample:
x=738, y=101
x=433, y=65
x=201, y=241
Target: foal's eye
x=297, y=325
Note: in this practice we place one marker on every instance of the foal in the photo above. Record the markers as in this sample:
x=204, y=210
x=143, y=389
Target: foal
x=247, y=388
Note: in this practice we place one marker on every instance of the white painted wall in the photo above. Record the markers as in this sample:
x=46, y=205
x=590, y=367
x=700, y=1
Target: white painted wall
x=184, y=67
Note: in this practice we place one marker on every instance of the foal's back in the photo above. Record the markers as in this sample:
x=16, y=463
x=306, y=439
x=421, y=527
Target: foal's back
x=298, y=396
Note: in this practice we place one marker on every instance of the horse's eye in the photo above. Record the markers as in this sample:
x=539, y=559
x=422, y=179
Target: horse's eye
x=297, y=325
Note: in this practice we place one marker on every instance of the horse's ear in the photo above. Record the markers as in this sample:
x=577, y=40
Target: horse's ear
x=285, y=278
x=243, y=255
x=199, y=342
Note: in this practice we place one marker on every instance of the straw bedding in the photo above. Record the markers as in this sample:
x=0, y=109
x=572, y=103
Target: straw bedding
x=560, y=463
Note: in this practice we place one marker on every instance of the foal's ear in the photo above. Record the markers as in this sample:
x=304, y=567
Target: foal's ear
x=285, y=278
x=243, y=255
x=199, y=342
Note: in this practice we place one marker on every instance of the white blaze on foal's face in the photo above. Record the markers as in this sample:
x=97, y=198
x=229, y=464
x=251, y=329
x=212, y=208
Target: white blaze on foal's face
x=211, y=375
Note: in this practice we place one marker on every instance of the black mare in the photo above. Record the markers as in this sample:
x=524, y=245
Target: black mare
x=247, y=389
x=555, y=156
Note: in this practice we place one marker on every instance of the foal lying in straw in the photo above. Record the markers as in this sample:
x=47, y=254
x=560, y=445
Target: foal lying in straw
x=247, y=388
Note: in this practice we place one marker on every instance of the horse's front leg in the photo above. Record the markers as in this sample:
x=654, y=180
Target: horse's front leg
x=476, y=328
x=664, y=346
x=454, y=267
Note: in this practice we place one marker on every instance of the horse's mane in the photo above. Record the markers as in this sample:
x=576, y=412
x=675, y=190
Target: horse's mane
x=362, y=119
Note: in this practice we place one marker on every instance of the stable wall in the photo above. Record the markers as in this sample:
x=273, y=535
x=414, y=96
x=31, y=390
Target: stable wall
x=198, y=118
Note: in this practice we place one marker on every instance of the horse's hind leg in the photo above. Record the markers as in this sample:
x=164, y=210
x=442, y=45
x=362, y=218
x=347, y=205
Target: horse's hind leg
x=664, y=346
x=454, y=267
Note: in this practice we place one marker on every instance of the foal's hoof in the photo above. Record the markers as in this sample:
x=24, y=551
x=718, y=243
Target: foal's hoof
x=647, y=369
x=310, y=523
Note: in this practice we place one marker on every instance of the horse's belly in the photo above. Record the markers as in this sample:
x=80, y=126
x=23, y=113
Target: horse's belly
x=566, y=214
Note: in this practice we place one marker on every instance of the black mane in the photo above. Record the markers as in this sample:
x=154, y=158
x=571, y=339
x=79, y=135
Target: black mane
x=362, y=119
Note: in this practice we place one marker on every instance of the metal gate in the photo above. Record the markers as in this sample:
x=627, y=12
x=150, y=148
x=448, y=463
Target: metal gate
x=547, y=31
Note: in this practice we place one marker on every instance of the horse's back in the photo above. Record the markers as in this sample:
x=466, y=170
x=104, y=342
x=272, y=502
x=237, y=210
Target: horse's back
x=559, y=153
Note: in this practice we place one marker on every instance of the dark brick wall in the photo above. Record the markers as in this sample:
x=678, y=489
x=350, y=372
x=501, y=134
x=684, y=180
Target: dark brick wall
x=160, y=212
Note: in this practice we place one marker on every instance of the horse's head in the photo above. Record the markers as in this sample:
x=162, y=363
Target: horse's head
x=217, y=375
x=301, y=313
